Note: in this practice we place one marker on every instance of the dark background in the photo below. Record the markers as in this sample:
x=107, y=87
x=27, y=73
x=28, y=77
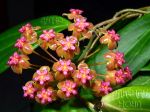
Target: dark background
x=13, y=12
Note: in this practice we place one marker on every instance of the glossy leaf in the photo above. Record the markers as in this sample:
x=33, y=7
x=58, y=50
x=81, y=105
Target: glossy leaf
x=143, y=78
x=138, y=55
x=128, y=99
x=68, y=110
x=146, y=68
x=135, y=43
x=8, y=38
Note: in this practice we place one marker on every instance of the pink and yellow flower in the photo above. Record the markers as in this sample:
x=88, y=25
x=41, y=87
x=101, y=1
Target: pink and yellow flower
x=105, y=88
x=43, y=75
x=83, y=75
x=18, y=62
x=29, y=89
x=74, y=13
x=28, y=32
x=119, y=77
x=81, y=28
x=114, y=60
x=101, y=88
x=63, y=69
x=68, y=47
x=49, y=39
x=45, y=96
x=110, y=38
x=67, y=89
x=128, y=73
x=24, y=46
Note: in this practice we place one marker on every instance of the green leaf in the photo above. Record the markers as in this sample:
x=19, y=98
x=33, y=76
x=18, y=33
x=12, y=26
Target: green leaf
x=142, y=78
x=135, y=43
x=146, y=68
x=86, y=93
x=72, y=105
x=72, y=109
x=8, y=38
x=138, y=54
x=66, y=110
x=128, y=99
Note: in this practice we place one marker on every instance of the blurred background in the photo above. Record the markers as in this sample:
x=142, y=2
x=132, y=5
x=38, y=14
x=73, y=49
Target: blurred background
x=13, y=12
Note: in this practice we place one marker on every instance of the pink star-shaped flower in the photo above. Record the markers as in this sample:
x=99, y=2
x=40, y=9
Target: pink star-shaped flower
x=76, y=11
x=119, y=58
x=43, y=75
x=120, y=77
x=84, y=75
x=29, y=89
x=69, y=43
x=105, y=87
x=44, y=96
x=81, y=24
x=68, y=87
x=114, y=35
x=64, y=66
x=48, y=35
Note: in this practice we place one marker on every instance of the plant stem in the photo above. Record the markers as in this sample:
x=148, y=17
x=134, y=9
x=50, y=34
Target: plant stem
x=97, y=50
x=124, y=14
x=50, y=54
x=91, y=43
x=95, y=64
x=129, y=10
x=37, y=28
x=32, y=68
x=108, y=26
x=91, y=106
x=86, y=49
x=87, y=103
x=43, y=57
x=35, y=65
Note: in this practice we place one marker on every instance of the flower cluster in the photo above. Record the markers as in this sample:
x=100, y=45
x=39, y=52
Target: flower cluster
x=50, y=39
x=119, y=77
x=39, y=88
x=29, y=33
x=116, y=74
x=63, y=77
x=81, y=28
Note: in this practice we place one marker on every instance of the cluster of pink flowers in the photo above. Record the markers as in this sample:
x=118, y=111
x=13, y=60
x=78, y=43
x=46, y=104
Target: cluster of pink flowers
x=80, y=27
x=63, y=78
x=116, y=74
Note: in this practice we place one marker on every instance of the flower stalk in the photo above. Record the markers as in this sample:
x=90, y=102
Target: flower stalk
x=123, y=14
